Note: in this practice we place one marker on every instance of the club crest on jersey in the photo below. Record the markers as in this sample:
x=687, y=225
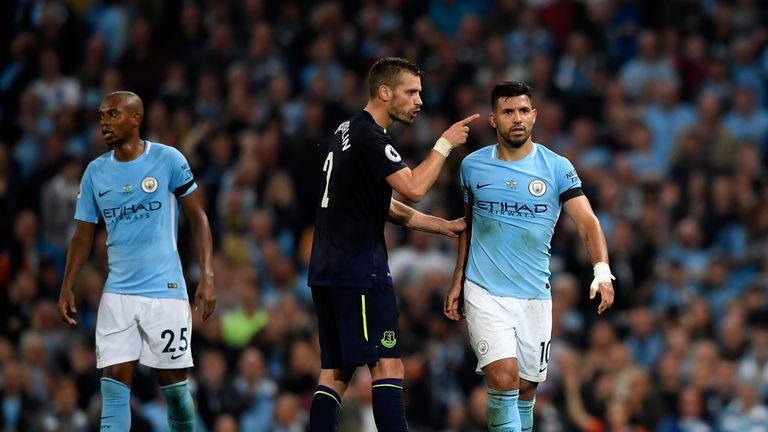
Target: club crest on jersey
x=149, y=184
x=482, y=347
x=537, y=187
x=392, y=154
x=389, y=339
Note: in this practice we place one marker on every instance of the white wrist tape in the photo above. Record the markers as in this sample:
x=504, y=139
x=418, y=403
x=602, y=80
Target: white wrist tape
x=443, y=146
x=602, y=274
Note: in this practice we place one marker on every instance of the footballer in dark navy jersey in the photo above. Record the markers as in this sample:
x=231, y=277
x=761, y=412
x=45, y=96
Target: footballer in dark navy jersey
x=348, y=247
x=351, y=286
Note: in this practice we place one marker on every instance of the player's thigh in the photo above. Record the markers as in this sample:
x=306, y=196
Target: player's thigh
x=534, y=334
x=356, y=325
x=118, y=339
x=382, y=316
x=166, y=327
x=491, y=326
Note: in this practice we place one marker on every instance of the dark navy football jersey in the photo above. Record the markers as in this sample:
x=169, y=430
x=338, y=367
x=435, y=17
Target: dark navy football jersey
x=348, y=247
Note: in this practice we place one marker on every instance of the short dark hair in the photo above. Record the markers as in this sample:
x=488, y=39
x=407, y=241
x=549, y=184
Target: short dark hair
x=509, y=89
x=387, y=71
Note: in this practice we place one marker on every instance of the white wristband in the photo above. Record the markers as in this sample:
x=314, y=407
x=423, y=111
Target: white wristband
x=603, y=274
x=443, y=146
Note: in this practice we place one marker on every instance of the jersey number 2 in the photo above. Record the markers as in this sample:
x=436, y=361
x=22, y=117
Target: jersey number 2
x=327, y=167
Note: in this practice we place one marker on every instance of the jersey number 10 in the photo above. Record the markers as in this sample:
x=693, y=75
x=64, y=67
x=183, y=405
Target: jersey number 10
x=327, y=167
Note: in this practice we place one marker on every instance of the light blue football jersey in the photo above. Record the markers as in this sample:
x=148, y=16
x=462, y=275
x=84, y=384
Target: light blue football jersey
x=138, y=202
x=515, y=206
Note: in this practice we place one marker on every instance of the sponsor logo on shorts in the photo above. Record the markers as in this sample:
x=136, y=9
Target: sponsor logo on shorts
x=389, y=339
x=173, y=285
x=174, y=357
x=482, y=347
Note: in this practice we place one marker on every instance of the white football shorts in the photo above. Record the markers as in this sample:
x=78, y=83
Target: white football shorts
x=155, y=331
x=508, y=327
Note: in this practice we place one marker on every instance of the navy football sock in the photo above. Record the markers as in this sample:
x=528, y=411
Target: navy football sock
x=324, y=412
x=388, y=405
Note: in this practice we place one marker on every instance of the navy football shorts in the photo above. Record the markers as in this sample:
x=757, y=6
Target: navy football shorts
x=357, y=326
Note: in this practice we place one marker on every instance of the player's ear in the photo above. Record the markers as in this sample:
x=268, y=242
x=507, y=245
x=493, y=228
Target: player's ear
x=535, y=113
x=385, y=93
x=492, y=119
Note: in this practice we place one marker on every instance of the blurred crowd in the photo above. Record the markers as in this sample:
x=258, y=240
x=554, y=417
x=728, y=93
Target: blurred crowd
x=661, y=105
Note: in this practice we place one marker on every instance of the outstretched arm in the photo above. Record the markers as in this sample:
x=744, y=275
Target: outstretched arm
x=411, y=218
x=580, y=211
x=453, y=306
x=79, y=249
x=205, y=295
x=414, y=184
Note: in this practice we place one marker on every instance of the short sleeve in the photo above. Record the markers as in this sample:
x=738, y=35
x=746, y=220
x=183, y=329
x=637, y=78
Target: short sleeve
x=182, y=181
x=568, y=181
x=378, y=152
x=463, y=178
x=566, y=176
x=86, y=209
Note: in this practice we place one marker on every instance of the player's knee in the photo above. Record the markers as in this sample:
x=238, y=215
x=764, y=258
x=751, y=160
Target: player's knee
x=122, y=373
x=388, y=368
x=502, y=375
x=527, y=389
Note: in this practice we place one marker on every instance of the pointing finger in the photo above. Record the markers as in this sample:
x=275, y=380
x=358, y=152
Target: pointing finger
x=469, y=119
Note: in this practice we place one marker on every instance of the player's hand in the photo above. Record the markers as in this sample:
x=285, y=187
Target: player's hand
x=205, y=296
x=458, y=132
x=67, y=306
x=453, y=307
x=606, y=295
x=452, y=228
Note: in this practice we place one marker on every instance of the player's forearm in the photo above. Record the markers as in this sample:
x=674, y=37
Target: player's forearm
x=411, y=218
x=594, y=241
x=201, y=231
x=77, y=253
x=399, y=213
x=461, y=257
x=463, y=253
x=424, y=176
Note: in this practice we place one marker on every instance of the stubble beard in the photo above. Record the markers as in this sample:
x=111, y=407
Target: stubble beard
x=398, y=115
x=514, y=143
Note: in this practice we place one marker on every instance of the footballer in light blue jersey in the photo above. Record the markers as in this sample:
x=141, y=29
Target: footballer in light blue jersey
x=138, y=201
x=144, y=315
x=513, y=194
x=515, y=207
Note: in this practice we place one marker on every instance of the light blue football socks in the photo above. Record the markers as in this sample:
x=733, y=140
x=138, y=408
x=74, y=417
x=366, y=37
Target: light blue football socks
x=115, y=406
x=502, y=413
x=181, y=408
x=525, y=408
